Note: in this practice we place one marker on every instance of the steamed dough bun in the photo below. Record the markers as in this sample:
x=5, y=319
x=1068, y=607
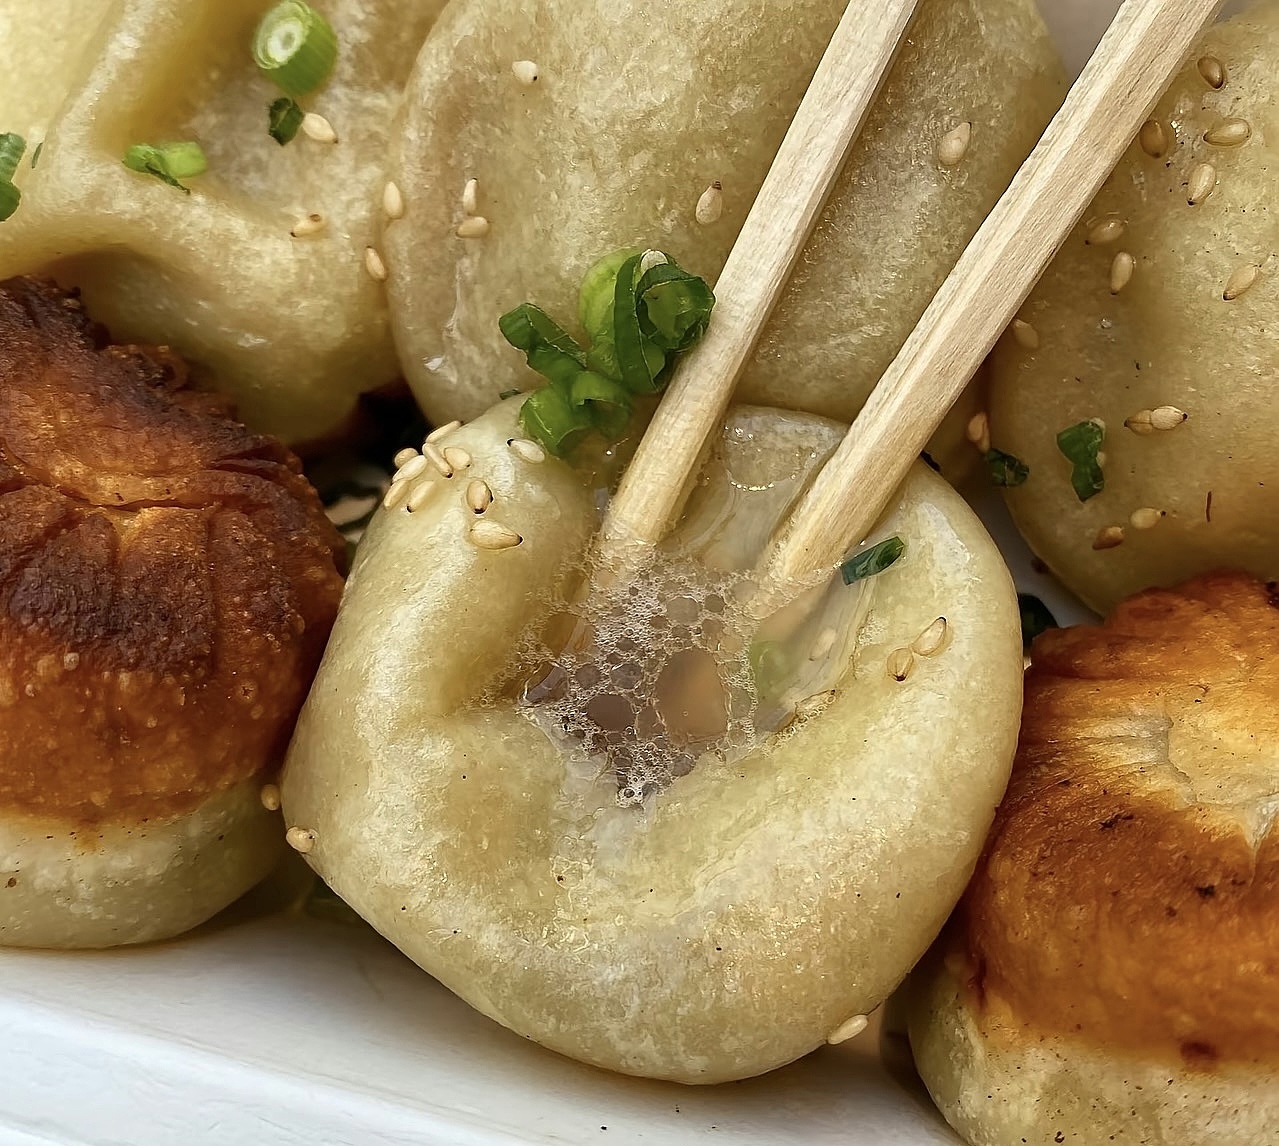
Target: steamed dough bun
x=636, y=110
x=1203, y=493
x=292, y=328
x=697, y=917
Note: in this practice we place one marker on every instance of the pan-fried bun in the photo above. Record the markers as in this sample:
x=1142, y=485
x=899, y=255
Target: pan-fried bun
x=1111, y=975
x=167, y=583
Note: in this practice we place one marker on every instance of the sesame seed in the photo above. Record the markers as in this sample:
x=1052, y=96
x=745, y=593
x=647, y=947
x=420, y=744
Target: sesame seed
x=457, y=458
x=478, y=496
x=393, y=201
x=1025, y=334
x=1146, y=517
x=823, y=645
x=397, y=493
x=711, y=204
x=651, y=259
x=405, y=456
x=848, y=1029
x=1140, y=422
x=300, y=839
x=414, y=467
x=432, y=454
x=443, y=431
x=900, y=662
x=528, y=450
x=420, y=496
x=1229, y=133
x=526, y=72
x=930, y=642
x=978, y=431
x=473, y=227
x=812, y=705
x=471, y=197
x=486, y=534
x=1213, y=72
x=270, y=797
x=953, y=146
x=1167, y=417
x=1106, y=231
x=374, y=265
x=318, y=128
x=1109, y=537
x=1242, y=280
x=1121, y=271
x=1153, y=138
x=308, y=225
x=1201, y=184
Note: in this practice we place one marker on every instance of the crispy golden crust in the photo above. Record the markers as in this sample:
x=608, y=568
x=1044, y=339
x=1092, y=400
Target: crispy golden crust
x=167, y=578
x=1129, y=894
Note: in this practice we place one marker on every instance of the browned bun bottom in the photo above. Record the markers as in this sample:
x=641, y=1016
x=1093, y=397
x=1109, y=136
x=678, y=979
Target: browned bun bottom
x=1112, y=974
x=167, y=583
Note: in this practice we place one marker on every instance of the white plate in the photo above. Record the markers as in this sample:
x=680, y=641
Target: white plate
x=283, y=1032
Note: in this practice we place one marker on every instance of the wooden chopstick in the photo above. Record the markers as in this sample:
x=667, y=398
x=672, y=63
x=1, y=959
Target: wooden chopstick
x=1135, y=62
x=771, y=240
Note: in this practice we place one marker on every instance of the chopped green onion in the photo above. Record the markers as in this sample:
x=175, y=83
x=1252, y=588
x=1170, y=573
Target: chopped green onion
x=168, y=162
x=10, y=197
x=639, y=362
x=12, y=147
x=768, y=664
x=873, y=561
x=1005, y=470
x=675, y=307
x=607, y=401
x=502, y=397
x=1081, y=444
x=549, y=417
x=637, y=321
x=1035, y=618
x=550, y=349
x=35, y=155
x=284, y=117
x=296, y=47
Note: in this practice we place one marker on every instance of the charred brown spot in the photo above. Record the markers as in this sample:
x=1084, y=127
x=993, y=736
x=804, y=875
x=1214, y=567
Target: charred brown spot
x=1199, y=1055
x=167, y=577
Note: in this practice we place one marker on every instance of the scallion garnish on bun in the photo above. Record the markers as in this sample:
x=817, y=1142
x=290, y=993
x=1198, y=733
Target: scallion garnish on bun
x=12, y=147
x=640, y=309
x=168, y=162
x=295, y=47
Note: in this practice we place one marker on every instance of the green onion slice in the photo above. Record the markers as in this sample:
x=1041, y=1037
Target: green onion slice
x=35, y=155
x=10, y=197
x=549, y=416
x=607, y=401
x=511, y=393
x=549, y=348
x=675, y=307
x=1081, y=444
x=284, y=117
x=1005, y=469
x=1035, y=618
x=168, y=162
x=12, y=147
x=295, y=47
x=872, y=561
x=639, y=361
x=637, y=321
